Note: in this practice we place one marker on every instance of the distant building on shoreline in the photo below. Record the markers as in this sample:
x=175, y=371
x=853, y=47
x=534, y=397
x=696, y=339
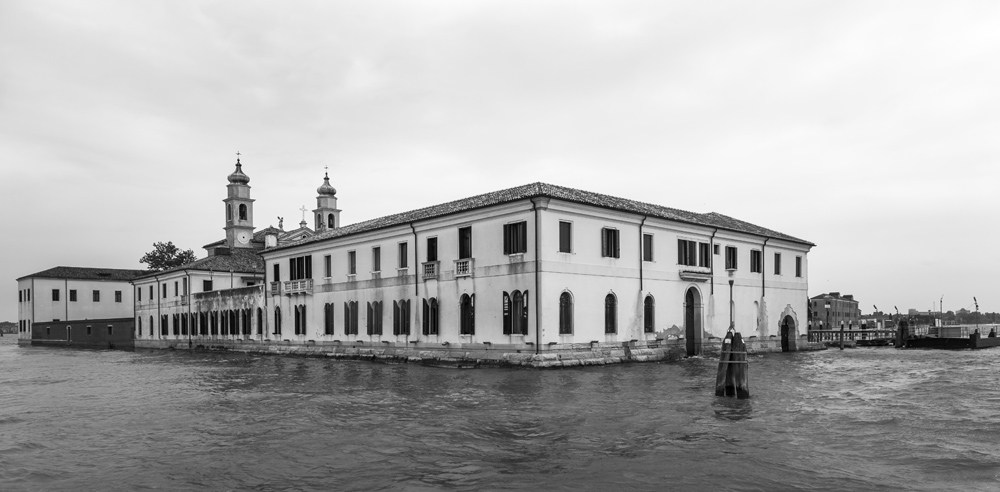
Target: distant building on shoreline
x=533, y=268
x=66, y=295
x=842, y=310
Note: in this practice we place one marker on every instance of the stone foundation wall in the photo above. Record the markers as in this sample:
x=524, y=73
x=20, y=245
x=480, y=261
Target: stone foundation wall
x=473, y=355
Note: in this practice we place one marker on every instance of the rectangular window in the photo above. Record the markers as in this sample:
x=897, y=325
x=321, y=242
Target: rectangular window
x=687, y=252
x=798, y=266
x=118, y=296
x=176, y=288
x=327, y=266
x=138, y=294
x=72, y=295
x=515, y=238
x=88, y=330
x=150, y=292
x=20, y=296
x=777, y=263
x=432, y=249
x=300, y=268
x=55, y=294
x=704, y=255
x=565, y=237
x=163, y=291
x=184, y=286
x=29, y=295
x=464, y=242
x=715, y=248
x=647, y=247
x=756, y=261
x=352, y=262
x=277, y=273
x=403, y=255
x=97, y=296
x=609, y=243
x=111, y=330
x=731, y=263
x=206, y=285
x=377, y=259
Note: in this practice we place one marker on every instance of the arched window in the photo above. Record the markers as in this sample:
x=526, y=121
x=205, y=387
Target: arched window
x=401, y=317
x=243, y=211
x=184, y=324
x=328, y=319
x=260, y=321
x=565, y=314
x=374, y=320
x=648, y=313
x=330, y=222
x=518, y=314
x=277, y=320
x=610, y=314
x=468, y=314
x=430, y=316
x=229, y=212
x=515, y=313
x=151, y=325
x=351, y=318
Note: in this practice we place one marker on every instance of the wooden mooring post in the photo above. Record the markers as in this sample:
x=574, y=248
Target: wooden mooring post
x=733, y=378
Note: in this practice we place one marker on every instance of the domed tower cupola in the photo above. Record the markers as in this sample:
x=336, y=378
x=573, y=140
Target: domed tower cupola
x=327, y=214
x=238, y=177
x=239, y=209
x=326, y=188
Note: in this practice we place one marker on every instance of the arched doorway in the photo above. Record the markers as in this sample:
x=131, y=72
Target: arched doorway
x=692, y=321
x=787, y=333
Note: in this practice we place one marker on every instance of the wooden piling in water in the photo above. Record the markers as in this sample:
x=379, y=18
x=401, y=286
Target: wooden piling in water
x=720, y=377
x=733, y=378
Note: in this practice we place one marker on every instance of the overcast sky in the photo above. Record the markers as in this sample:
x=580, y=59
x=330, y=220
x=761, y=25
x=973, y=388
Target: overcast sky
x=869, y=128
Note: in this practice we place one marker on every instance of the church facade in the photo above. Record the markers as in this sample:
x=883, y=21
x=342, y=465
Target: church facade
x=537, y=268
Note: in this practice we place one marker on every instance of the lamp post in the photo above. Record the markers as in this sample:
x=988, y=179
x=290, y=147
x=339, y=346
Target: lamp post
x=732, y=323
x=827, y=307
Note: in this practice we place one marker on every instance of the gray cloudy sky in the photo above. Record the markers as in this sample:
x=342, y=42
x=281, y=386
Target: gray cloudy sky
x=869, y=128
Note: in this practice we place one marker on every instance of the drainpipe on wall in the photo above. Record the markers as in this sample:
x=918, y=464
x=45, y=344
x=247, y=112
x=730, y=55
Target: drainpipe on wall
x=640, y=252
x=416, y=263
x=763, y=268
x=66, y=293
x=159, y=319
x=187, y=289
x=538, y=293
x=711, y=264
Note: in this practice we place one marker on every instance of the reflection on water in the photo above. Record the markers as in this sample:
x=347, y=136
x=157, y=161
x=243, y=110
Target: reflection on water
x=863, y=419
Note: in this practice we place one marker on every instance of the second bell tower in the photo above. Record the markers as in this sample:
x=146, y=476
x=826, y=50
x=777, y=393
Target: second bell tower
x=239, y=209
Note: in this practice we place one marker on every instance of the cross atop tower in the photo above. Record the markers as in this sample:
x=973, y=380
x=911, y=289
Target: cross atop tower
x=303, y=209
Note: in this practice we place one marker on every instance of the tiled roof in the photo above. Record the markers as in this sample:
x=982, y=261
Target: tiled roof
x=257, y=236
x=85, y=273
x=545, y=190
x=238, y=260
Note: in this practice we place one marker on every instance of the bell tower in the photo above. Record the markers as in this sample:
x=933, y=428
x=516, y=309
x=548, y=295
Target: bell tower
x=326, y=213
x=239, y=209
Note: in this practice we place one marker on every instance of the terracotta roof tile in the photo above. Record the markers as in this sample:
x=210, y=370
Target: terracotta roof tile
x=238, y=260
x=85, y=273
x=540, y=190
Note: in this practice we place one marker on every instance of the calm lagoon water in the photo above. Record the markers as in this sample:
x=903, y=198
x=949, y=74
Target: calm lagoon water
x=861, y=419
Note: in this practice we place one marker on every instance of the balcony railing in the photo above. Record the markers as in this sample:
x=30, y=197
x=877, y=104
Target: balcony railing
x=298, y=287
x=430, y=269
x=463, y=268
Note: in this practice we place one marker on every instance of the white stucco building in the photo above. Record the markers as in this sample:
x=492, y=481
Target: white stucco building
x=533, y=268
x=73, y=293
